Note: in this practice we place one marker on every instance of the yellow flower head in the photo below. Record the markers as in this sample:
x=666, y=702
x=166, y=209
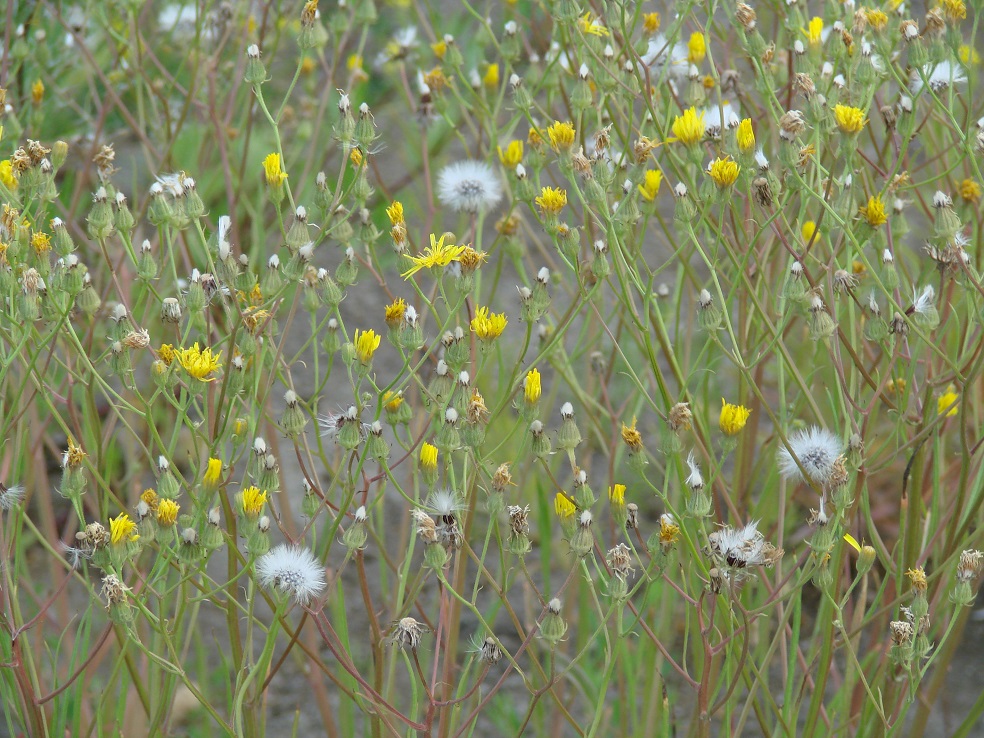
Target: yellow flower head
x=471, y=260
x=809, y=228
x=874, y=212
x=7, y=175
x=37, y=92
x=437, y=254
x=491, y=78
x=689, y=128
x=199, y=362
x=392, y=401
x=41, y=242
x=253, y=501
x=428, y=456
x=649, y=188
x=563, y=506
x=877, y=19
x=814, y=32
x=967, y=54
x=354, y=62
x=590, y=26
x=395, y=312
x=969, y=190
x=167, y=513
x=440, y=49
x=669, y=531
x=616, y=495
x=513, y=154
x=150, y=497
x=395, y=212
x=852, y=542
x=356, y=157
x=122, y=530
x=918, y=578
x=849, y=119
x=650, y=23
x=167, y=353
x=213, y=471
x=733, y=418
x=531, y=386
x=366, y=343
x=954, y=10
x=724, y=172
x=696, y=48
x=487, y=325
x=745, y=136
x=272, y=170
x=631, y=437
x=944, y=402
x=561, y=135
x=73, y=456
x=551, y=200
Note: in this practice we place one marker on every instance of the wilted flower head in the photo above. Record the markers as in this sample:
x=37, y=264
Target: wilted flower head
x=469, y=186
x=406, y=634
x=293, y=570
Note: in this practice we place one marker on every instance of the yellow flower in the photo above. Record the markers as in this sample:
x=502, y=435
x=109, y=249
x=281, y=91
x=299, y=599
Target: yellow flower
x=392, y=401
x=696, y=48
x=874, y=212
x=591, y=27
x=41, y=242
x=853, y=542
x=395, y=312
x=896, y=386
x=354, y=62
x=471, y=260
x=167, y=513
x=356, y=157
x=491, y=78
x=252, y=501
x=563, y=506
x=954, y=10
x=513, y=154
x=167, y=353
x=488, y=326
x=436, y=80
x=669, y=532
x=745, y=136
x=689, y=127
x=437, y=254
x=531, y=386
x=918, y=578
x=122, y=529
x=395, y=212
x=366, y=343
x=428, y=456
x=631, y=437
x=947, y=399
x=616, y=495
x=850, y=120
x=37, y=92
x=275, y=175
x=649, y=188
x=650, y=23
x=809, y=228
x=199, y=362
x=733, y=418
x=440, y=49
x=968, y=55
x=970, y=190
x=561, y=135
x=814, y=32
x=724, y=172
x=150, y=497
x=877, y=19
x=7, y=175
x=551, y=200
x=212, y=472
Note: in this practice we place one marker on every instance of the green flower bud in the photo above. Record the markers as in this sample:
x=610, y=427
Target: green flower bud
x=553, y=628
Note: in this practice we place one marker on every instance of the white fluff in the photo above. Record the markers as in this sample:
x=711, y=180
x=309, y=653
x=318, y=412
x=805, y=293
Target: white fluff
x=469, y=186
x=817, y=450
x=293, y=570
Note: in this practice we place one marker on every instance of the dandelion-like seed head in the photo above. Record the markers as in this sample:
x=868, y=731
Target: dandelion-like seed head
x=469, y=186
x=745, y=547
x=11, y=496
x=818, y=451
x=293, y=570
